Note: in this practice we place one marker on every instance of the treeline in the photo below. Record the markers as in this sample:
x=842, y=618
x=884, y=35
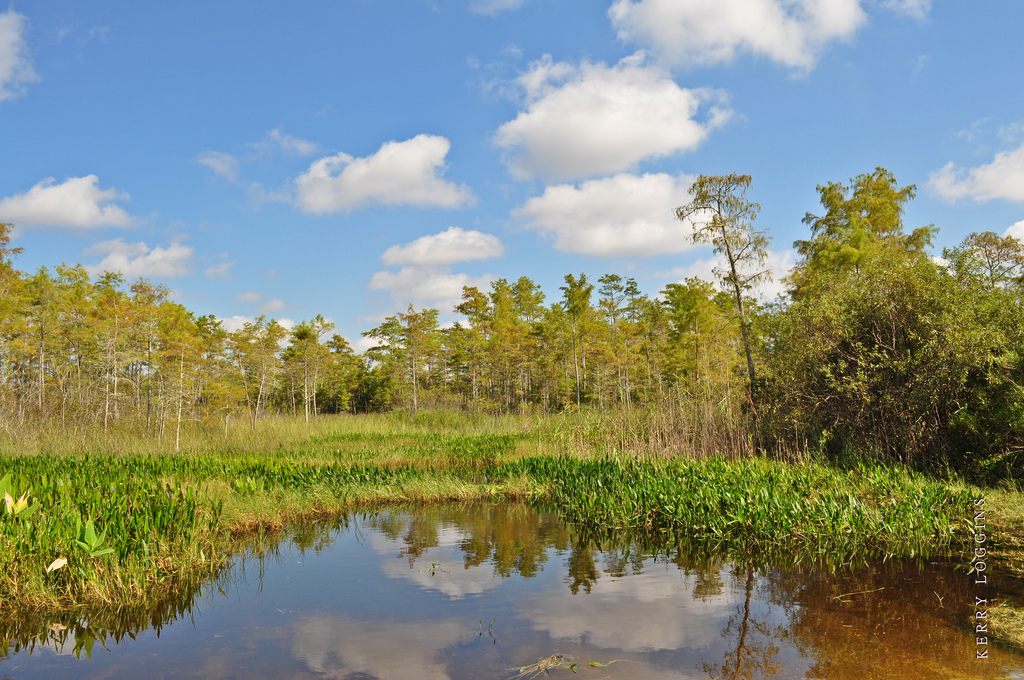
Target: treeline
x=77, y=351
x=876, y=347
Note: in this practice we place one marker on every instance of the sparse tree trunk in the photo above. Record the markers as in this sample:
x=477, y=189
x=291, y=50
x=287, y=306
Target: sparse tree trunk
x=305, y=396
x=245, y=388
x=316, y=375
x=106, y=403
x=42, y=367
x=738, y=294
x=149, y=381
x=181, y=387
x=576, y=364
x=415, y=396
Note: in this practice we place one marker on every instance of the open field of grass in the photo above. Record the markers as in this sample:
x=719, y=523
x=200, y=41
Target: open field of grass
x=121, y=522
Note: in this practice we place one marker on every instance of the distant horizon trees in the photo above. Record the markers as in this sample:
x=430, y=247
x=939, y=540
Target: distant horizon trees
x=875, y=348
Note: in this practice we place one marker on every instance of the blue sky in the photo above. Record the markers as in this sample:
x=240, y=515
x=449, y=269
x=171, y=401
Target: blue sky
x=348, y=157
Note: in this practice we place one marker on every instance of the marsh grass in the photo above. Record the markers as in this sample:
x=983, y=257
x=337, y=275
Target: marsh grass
x=674, y=428
x=1006, y=624
x=271, y=433
x=655, y=430
x=1005, y=518
x=169, y=519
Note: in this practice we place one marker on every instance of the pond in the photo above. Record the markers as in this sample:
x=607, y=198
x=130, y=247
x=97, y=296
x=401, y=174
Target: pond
x=508, y=591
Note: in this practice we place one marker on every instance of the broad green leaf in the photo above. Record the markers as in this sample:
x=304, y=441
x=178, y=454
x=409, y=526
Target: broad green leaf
x=90, y=534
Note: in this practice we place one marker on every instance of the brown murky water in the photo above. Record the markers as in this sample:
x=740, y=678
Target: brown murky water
x=506, y=591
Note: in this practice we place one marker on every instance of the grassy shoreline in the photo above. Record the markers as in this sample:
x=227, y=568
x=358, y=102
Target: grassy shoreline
x=159, y=522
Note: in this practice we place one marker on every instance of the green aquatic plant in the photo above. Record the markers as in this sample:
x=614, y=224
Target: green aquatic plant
x=248, y=485
x=87, y=539
x=490, y=630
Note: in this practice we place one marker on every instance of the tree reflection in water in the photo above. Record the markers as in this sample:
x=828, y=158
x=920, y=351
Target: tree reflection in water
x=874, y=619
x=877, y=620
x=755, y=649
x=898, y=619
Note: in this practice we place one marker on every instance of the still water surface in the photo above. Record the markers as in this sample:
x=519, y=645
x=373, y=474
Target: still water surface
x=506, y=591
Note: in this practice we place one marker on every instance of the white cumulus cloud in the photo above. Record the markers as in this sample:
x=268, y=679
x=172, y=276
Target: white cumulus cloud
x=398, y=173
x=621, y=216
x=361, y=344
x=426, y=286
x=76, y=203
x=426, y=280
x=234, y=323
x=1002, y=178
x=238, y=321
x=15, y=65
x=701, y=32
x=448, y=247
x=1015, y=230
x=593, y=119
x=138, y=259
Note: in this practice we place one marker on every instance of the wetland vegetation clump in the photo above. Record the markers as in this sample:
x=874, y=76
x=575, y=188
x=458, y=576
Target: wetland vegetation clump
x=128, y=526
x=760, y=506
